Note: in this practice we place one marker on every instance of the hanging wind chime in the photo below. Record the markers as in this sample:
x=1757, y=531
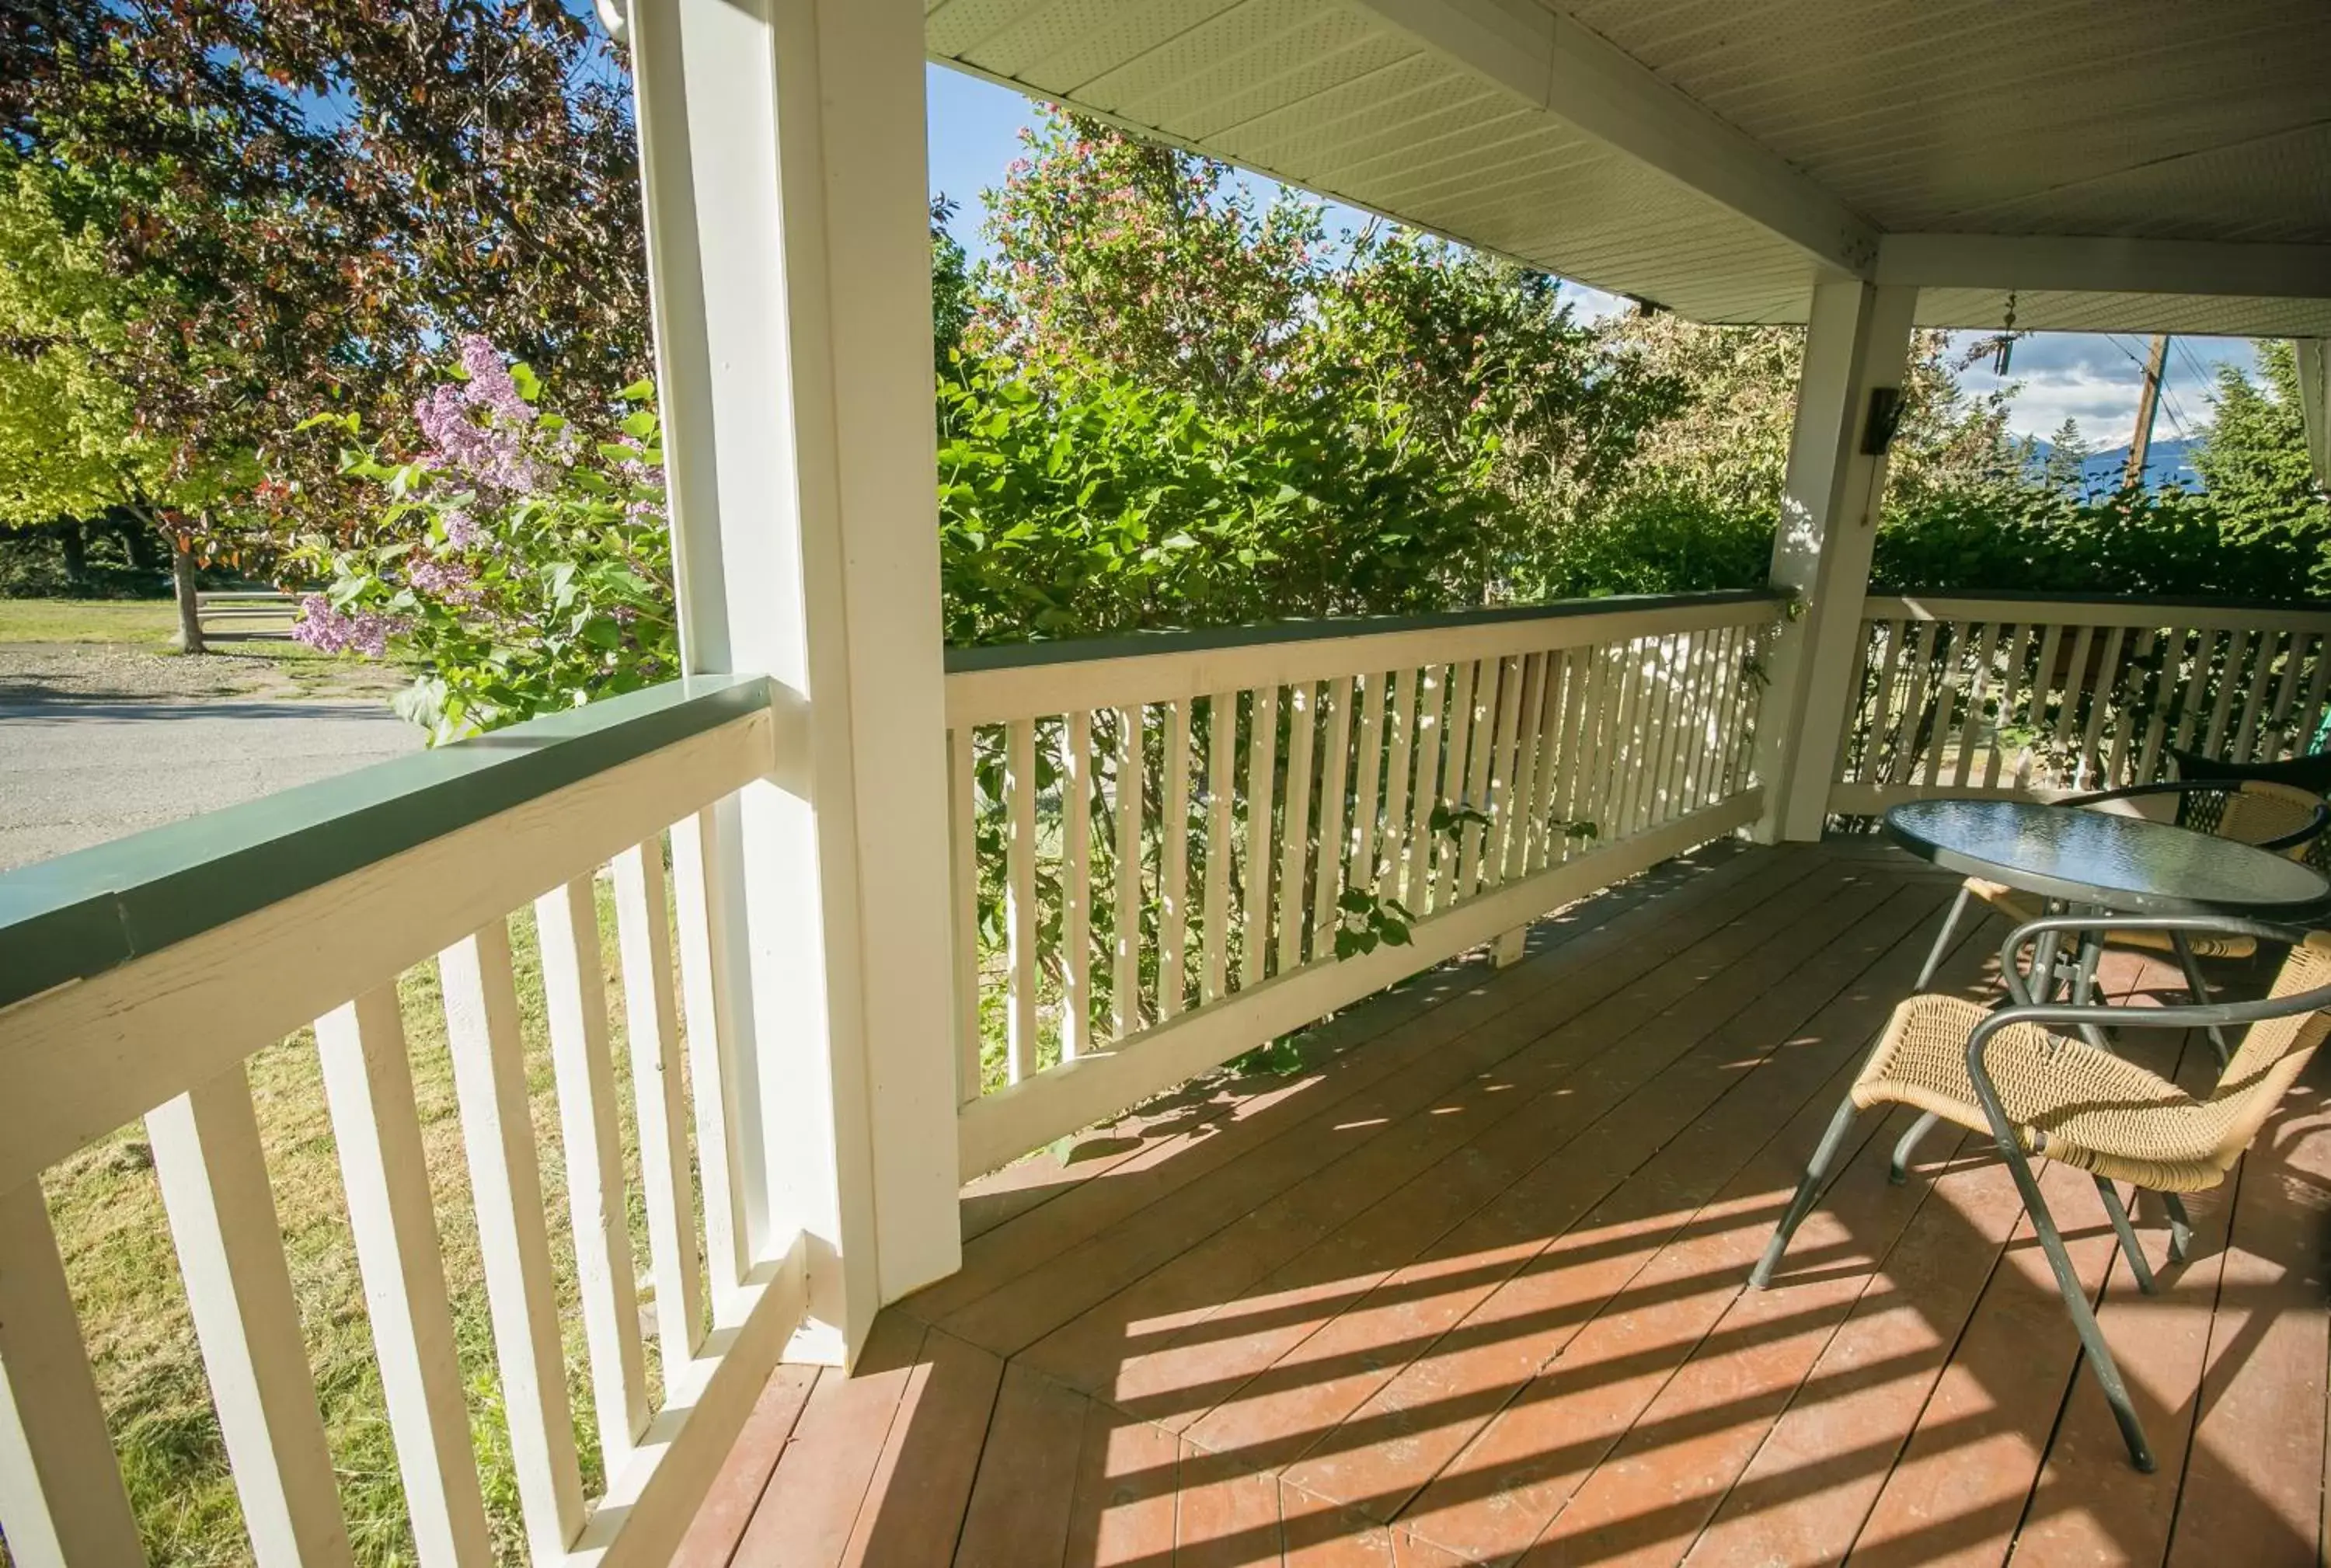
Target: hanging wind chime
x=2005, y=353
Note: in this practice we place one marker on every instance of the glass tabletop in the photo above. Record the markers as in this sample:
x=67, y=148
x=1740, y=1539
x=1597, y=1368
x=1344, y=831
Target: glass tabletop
x=2125, y=864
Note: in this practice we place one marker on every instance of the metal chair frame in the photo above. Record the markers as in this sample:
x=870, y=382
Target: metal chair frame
x=2092, y=943
x=2021, y=1010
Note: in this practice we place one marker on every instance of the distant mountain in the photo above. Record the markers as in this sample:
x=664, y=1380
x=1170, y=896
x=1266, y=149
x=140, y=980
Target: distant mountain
x=2169, y=461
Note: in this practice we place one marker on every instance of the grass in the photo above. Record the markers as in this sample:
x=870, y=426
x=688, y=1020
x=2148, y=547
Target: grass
x=111, y=1228
x=138, y=623
x=147, y=625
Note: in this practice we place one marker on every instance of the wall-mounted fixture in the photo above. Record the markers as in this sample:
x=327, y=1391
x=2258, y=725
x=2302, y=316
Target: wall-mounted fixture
x=1885, y=419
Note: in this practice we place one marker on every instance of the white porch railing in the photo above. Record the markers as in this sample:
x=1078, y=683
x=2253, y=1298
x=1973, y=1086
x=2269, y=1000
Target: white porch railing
x=2001, y=697
x=140, y=977
x=1154, y=836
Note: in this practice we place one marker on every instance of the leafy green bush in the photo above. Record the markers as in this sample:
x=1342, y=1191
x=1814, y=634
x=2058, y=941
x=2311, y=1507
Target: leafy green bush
x=2018, y=537
x=1663, y=540
x=1084, y=504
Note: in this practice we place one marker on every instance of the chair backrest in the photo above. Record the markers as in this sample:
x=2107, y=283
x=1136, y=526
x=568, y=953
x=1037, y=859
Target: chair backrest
x=2261, y=811
x=2274, y=1053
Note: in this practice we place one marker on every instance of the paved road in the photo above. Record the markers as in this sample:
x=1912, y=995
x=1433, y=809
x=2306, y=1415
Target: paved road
x=78, y=773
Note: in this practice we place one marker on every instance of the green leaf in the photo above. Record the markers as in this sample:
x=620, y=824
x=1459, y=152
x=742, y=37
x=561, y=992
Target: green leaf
x=640, y=424
x=638, y=391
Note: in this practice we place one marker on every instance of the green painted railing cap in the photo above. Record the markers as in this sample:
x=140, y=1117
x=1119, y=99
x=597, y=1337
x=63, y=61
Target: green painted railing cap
x=84, y=913
x=1144, y=645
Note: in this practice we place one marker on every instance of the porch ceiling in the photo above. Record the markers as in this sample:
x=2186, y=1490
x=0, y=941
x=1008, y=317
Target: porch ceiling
x=1719, y=155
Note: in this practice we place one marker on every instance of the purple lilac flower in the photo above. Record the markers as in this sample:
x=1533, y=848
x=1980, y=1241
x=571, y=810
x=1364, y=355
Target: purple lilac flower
x=451, y=581
x=490, y=453
x=491, y=385
x=331, y=630
x=462, y=530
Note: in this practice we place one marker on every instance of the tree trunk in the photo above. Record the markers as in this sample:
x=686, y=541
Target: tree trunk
x=137, y=543
x=189, y=638
x=76, y=553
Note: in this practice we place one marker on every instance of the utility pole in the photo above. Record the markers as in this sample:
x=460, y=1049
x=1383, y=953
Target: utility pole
x=2140, y=446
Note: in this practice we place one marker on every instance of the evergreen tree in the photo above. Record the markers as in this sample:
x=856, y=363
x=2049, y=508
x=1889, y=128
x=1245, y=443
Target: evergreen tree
x=2253, y=457
x=2068, y=456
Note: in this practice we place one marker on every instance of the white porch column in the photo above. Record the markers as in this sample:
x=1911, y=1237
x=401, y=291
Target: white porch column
x=1858, y=338
x=2314, y=403
x=783, y=151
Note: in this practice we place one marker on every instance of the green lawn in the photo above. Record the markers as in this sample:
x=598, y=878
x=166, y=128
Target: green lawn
x=132, y=622
x=115, y=1237
x=118, y=634
x=141, y=623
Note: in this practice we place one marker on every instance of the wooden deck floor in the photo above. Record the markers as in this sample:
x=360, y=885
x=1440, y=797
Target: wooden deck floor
x=1470, y=1287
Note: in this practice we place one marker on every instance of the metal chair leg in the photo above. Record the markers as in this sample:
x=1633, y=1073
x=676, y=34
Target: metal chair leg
x=2127, y=1234
x=1808, y=1190
x=2181, y=1228
x=2076, y=1302
x=1943, y=938
x=2200, y=990
x=2092, y=951
x=1898, y=1172
x=2084, y=985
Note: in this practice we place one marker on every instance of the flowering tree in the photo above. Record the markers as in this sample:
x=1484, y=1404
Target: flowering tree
x=521, y=562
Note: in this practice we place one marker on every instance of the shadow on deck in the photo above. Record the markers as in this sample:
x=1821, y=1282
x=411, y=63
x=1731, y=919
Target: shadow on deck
x=1469, y=1286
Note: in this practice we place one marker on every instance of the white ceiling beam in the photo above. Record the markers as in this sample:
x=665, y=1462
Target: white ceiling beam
x=2098, y=265
x=1554, y=64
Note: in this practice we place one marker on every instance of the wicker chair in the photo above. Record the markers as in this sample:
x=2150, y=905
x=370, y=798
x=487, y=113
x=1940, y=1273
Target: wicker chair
x=2037, y=1092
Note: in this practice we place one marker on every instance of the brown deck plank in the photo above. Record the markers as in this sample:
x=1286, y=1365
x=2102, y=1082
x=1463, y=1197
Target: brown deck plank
x=1529, y=1463
x=811, y=1503
x=728, y=1504
x=1447, y=1260
x=1019, y=1504
x=1127, y=1481
x=1959, y=1489
x=1333, y=1068
x=1489, y=1077
x=2092, y=1505
x=1680, y=1449
x=920, y=1487
x=1804, y=1494
x=2254, y=1478
x=1040, y=1298
x=1595, y=1217
x=1229, y=1516
x=1511, y=1313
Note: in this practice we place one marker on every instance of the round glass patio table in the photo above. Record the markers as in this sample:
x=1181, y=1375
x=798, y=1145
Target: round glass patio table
x=2125, y=865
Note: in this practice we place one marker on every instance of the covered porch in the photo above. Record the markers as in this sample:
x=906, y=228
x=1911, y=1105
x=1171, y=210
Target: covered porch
x=779, y=974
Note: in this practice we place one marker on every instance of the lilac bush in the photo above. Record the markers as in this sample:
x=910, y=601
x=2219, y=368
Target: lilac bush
x=520, y=564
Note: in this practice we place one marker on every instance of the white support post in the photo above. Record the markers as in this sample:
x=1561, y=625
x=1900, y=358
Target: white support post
x=2314, y=362
x=790, y=277
x=1857, y=340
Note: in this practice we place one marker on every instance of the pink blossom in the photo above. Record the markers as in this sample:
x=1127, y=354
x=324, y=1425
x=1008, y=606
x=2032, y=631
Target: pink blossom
x=462, y=531
x=452, y=581
x=331, y=630
x=491, y=385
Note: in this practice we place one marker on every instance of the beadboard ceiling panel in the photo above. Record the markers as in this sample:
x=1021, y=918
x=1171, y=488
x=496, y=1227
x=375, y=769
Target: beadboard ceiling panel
x=1754, y=145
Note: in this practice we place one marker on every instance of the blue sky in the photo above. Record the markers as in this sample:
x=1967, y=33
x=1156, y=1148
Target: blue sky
x=2093, y=377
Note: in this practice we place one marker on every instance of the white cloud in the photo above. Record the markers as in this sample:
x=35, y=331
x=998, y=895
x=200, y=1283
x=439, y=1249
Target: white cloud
x=1592, y=304
x=2095, y=378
